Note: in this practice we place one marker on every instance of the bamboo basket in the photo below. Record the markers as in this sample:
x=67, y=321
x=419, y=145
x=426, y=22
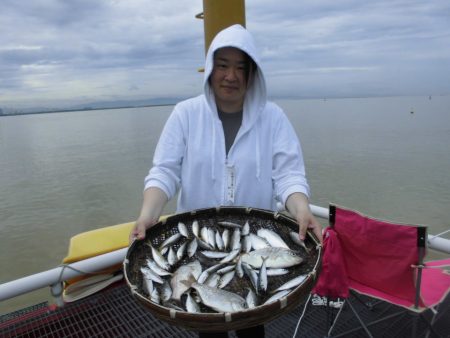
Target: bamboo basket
x=208, y=320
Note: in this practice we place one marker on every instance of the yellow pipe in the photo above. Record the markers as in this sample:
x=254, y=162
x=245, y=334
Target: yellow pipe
x=219, y=14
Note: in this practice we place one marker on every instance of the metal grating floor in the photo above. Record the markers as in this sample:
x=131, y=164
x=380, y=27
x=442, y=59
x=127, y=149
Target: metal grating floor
x=114, y=313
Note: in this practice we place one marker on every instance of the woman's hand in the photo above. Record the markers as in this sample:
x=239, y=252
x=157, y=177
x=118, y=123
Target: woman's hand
x=298, y=206
x=154, y=201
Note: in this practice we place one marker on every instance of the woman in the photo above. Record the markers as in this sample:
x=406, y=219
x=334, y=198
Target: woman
x=228, y=146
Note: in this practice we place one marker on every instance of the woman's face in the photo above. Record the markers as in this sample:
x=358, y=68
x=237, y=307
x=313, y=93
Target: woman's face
x=228, y=79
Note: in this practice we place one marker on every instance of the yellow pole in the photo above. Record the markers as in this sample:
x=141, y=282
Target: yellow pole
x=219, y=14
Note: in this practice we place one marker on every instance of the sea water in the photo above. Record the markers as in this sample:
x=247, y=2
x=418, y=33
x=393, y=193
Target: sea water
x=65, y=173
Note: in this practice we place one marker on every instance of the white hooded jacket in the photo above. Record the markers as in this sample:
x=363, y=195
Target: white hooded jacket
x=263, y=166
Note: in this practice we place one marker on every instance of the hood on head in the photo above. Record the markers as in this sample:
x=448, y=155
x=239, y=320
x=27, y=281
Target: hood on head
x=238, y=37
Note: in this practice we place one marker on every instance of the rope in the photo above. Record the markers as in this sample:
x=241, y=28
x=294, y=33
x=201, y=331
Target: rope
x=67, y=266
x=301, y=316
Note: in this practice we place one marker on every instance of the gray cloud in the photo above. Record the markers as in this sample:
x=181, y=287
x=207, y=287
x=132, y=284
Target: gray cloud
x=88, y=50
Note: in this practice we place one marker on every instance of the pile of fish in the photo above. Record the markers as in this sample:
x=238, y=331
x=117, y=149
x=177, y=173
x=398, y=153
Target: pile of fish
x=196, y=267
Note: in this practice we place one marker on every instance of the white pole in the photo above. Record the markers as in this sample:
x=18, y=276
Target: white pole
x=61, y=273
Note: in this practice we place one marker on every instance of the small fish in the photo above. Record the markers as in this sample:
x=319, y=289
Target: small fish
x=251, y=299
x=219, y=241
x=172, y=257
x=232, y=255
x=148, y=285
x=211, y=238
x=246, y=244
x=298, y=241
x=205, y=274
x=156, y=268
x=213, y=280
x=182, y=229
x=159, y=258
x=246, y=229
x=226, y=279
x=204, y=234
x=236, y=239
x=196, y=229
x=277, y=296
x=192, y=247
x=277, y=258
x=226, y=239
x=277, y=272
x=154, y=297
x=273, y=238
x=218, y=299
x=191, y=305
x=171, y=240
x=251, y=274
x=166, y=291
x=229, y=224
x=182, y=250
x=239, y=269
x=149, y=274
x=262, y=276
x=225, y=269
x=214, y=254
x=291, y=284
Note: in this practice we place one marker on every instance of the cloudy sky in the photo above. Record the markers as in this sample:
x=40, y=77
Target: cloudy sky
x=63, y=52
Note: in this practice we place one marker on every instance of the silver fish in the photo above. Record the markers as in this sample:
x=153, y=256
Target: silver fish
x=218, y=299
x=214, y=254
x=262, y=276
x=204, y=234
x=191, y=305
x=164, y=250
x=159, y=258
x=148, y=285
x=236, y=239
x=183, y=273
x=155, y=296
x=251, y=274
x=156, y=268
x=277, y=296
x=298, y=241
x=291, y=284
x=211, y=238
x=192, y=247
x=213, y=280
x=226, y=279
x=232, y=255
x=246, y=229
x=196, y=229
x=229, y=224
x=258, y=242
x=277, y=272
x=166, y=291
x=251, y=299
x=171, y=240
x=239, y=269
x=226, y=239
x=225, y=269
x=182, y=229
x=172, y=256
x=219, y=241
x=182, y=250
x=204, y=245
x=273, y=238
x=149, y=274
x=205, y=274
x=246, y=244
x=276, y=258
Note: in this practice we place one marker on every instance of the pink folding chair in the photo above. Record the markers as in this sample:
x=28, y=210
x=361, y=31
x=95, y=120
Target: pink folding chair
x=385, y=261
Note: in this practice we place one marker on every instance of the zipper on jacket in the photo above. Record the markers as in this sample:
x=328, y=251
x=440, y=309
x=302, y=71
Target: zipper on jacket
x=230, y=183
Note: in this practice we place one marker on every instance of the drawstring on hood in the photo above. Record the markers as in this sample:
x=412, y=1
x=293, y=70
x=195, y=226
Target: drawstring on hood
x=256, y=96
